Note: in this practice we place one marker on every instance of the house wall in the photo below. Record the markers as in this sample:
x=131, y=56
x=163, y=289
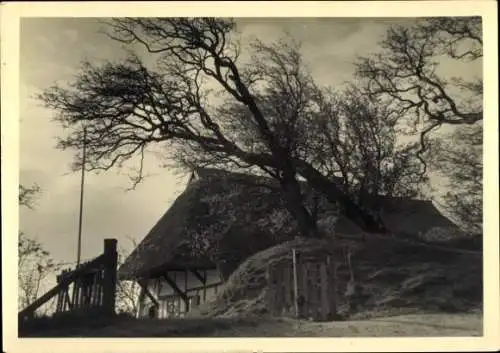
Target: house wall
x=164, y=293
x=162, y=288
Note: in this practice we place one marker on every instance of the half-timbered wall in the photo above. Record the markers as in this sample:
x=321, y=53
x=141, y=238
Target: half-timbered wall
x=186, y=281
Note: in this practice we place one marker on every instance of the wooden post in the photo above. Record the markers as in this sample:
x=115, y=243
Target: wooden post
x=80, y=292
x=68, y=301
x=332, y=292
x=305, y=289
x=269, y=300
x=74, y=299
x=73, y=294
x=110, y=262
x=98, y=294
x=88, y=294
x=59, y=296
x=295, y=286
x=324, y=292
x=90, y=289
x=205, y=286
x=287, y=287
x=84, y=292
x=314, y=295
x=65, y=297
x=95, y=295
x=280, y=300
x=186, y=300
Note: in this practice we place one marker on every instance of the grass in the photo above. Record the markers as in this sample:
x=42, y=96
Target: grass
x=401, y=325
x=125, y=326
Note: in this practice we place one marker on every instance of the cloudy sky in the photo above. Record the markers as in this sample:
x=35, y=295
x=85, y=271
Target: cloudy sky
x=51, y=51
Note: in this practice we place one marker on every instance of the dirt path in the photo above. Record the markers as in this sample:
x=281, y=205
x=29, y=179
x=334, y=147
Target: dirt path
x=405, y=325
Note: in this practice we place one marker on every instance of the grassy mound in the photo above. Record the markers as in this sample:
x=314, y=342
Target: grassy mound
x=395, y=276
x=405, y=276
x=244, y=292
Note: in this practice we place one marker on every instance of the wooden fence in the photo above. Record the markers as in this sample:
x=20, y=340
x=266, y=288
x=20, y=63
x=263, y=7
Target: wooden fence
x=303, y=289
x=87, y=290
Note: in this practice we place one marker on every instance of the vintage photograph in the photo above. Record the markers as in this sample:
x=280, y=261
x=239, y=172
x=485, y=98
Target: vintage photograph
x=251, y=177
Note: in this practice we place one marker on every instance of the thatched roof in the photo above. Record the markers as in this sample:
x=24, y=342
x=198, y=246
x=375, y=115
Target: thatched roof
x=169, y=244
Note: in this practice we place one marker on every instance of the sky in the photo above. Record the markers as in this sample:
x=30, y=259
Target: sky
x=51, y=51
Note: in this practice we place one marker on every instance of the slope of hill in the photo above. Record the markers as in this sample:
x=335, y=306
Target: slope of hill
x=397, y=277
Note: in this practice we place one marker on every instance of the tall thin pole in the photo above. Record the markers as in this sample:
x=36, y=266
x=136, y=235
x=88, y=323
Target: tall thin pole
x=81, y=197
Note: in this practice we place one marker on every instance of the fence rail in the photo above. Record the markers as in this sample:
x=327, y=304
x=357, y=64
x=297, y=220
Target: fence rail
x=88, y=289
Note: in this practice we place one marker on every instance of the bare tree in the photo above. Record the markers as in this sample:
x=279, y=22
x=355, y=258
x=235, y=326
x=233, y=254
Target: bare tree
x=126, y=107
x=351, y=139
x=460, y=159
x=407, y=73
x=127, y=292
x=356, y=142
x=34, y=266
x=27, y=195
x=34, y=263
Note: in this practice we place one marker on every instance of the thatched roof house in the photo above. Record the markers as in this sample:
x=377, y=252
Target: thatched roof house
x=196, y=247
x=169, y=243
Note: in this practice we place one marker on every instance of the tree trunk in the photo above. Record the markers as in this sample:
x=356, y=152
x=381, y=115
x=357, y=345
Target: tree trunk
x=333, y=194
x=295, y=203
x=324, y=186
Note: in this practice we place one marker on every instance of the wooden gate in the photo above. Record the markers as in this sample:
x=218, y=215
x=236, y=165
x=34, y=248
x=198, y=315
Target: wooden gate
x=302, y=289
x=88, y=290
